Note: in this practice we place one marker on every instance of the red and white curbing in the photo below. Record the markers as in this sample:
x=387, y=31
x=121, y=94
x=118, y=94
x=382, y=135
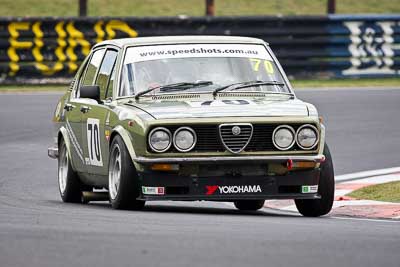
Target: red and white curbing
x=346, y=206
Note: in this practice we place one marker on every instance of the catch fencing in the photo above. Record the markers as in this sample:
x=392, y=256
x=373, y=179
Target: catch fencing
x=40, y=50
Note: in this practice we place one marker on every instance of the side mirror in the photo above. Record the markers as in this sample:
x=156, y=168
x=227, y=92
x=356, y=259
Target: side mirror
x=90, y=91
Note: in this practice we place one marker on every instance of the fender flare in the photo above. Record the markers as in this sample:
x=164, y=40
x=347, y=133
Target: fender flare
x=126, y=138
x=321, y=143
x=322, y=140
x=64, y=134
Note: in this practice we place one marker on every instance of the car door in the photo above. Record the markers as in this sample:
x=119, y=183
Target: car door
x=96, y=117
x=76, y=109
x=73, y=110
x=73, y=118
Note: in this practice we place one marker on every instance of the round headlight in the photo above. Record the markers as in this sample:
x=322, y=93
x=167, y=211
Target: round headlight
x=160, y=139
x=184, y=139
x=307, y=136
x=283, y=137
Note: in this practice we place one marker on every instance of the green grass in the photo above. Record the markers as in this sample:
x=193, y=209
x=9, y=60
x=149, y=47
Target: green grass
x=365, y=82
x=192, y=7
x=297, y=84
x=32, y=88
x=389, y=192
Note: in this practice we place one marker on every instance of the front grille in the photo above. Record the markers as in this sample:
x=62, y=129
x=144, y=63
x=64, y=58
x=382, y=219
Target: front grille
x=209, y=139
x=235, y=137
x=262, y=138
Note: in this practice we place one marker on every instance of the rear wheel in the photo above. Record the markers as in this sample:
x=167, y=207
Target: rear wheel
x=69, y=184
x=326, y=189
x=249, y=205
x=123, y=185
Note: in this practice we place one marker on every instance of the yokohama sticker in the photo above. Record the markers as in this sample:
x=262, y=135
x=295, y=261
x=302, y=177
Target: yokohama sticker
x=233, y=189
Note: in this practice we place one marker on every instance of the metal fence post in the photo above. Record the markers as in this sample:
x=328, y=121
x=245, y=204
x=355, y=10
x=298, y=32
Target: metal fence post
x=210, y=10
x=331, y=7
x=82, y=8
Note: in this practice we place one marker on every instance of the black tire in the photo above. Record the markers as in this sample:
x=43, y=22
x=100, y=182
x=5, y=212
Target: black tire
x=125, y=194
x=326, y=188
x=69, y=184
x=249, y=205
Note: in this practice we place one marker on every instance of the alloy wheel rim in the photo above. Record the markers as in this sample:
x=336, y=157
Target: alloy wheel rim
x=63, y=170
x=114, y=172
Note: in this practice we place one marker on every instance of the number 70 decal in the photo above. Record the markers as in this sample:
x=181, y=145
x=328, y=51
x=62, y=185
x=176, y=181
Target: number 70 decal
x=93, y=141
x=267, y=65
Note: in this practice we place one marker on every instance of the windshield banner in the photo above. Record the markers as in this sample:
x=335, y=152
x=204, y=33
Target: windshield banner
x=145, y=53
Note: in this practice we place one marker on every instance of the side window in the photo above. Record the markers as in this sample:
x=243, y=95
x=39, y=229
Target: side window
x=127, y=81
x=92, y=67
x=77, y=81
x=109, y=91
x=105, y=71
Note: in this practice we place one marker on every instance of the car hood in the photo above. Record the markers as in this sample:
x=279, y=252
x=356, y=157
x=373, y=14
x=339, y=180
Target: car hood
x=223, y=108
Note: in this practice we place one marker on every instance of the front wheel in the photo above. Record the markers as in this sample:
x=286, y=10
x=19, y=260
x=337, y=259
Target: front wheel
x=69, y=184
x=326, y=189
x=249, y=205
x=123, y=185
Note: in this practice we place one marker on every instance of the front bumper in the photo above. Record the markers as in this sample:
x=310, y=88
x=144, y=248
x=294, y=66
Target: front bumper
x=222, y=159
x=52, y=152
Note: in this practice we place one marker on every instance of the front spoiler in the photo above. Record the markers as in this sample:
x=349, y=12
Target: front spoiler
x=213, y=187
x=228, y=198
x=269, y=158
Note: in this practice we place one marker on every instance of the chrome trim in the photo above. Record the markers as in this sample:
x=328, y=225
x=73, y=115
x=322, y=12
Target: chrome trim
x=235, y=124
x=312, y=127
x=314, y=158
x=194, y=137
x=291, y=130
x=52, y=152
x=161, y=129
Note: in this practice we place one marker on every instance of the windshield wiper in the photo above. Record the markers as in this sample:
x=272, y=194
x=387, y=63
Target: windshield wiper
x=258, y=84
x=175, y=87
x=246, y=84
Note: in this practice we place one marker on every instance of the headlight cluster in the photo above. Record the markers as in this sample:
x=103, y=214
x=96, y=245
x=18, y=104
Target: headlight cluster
x=161, y=139
x=306, y=137
x=283, y=137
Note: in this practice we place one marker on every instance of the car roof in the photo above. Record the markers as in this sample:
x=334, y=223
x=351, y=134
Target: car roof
x=123, y=42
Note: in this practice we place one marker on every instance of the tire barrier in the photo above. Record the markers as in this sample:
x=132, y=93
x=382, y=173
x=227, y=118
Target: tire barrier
x=34, y=50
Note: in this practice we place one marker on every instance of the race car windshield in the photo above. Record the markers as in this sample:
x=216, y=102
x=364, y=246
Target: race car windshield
x=155, y=67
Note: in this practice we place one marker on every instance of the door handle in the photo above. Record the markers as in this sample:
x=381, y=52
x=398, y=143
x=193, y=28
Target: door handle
x=85, y=109
x=69, y=107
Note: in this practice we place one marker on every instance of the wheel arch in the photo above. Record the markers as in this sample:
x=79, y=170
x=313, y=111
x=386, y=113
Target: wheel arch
x=322, y=143
x=322, y=140
x=126, y=138
x=63, y=134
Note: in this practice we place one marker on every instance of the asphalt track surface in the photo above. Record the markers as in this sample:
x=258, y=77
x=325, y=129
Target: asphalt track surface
x=37, y=229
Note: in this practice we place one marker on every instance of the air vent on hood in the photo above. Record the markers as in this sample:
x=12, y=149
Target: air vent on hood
x=171, y=97
x=255, y=94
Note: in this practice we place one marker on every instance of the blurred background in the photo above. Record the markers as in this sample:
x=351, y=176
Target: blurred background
x=196, y=7
x=351, y=47
x=319, y=42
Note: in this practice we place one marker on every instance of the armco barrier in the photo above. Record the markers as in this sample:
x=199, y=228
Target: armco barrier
x=50, y=49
